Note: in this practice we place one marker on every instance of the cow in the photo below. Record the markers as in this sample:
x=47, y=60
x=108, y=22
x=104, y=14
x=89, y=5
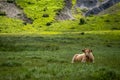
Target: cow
x=86, y=56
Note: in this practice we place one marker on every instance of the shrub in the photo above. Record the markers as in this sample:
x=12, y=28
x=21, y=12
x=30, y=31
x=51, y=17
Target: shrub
x=107, y=20
x=114, y=28
x=72, y=28
x=82, y=33
x=108, y=45
x=45, y=9
x=30, y=2
x=48, y=24
x=82, y=21
x=10, y=1
x=58, y=11
x=116, y=21
x=84, y=10
x=2, y=13
x=101, y=0
x=45, y=15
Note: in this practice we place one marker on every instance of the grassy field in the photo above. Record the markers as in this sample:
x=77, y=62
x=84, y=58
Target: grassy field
x=47, y=56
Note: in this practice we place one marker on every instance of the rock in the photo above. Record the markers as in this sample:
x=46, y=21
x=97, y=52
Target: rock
x=95, y=6
x=88, y=7
x=101, y=7
x=13, y=11
x=86, y=3
x=65, y=13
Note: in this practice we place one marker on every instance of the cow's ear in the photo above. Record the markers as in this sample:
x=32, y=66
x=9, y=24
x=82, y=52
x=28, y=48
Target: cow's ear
x=83, y=50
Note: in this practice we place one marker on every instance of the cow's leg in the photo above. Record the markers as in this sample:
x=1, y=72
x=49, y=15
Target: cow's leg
x=83, y=60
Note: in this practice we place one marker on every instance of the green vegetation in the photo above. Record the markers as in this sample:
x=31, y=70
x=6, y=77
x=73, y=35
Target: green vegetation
x=10, y=25
x=43, y=50
x=48, y=56
x=73, y=2
x=43, y=14
x=101, y=0
x=82, y=21
x=41, y=11
x=2, y=13
x=10, y=1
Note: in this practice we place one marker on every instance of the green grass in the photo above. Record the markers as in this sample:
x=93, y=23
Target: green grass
x=43, y=50
x=10, y=25
x=46, y=56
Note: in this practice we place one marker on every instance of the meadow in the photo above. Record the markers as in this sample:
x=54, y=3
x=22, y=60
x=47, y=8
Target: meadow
x=47, y=55
x=43, y=50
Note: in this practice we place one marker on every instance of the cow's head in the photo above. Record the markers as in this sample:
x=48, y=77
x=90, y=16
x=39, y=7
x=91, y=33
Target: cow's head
x=87, y=51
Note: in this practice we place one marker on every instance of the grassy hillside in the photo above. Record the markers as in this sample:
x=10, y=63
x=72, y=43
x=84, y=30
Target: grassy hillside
x=10, y=25
x=43, y=13
x=110, y=20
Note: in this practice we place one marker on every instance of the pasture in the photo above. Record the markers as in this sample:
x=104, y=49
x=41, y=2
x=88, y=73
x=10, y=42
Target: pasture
x=44, y=56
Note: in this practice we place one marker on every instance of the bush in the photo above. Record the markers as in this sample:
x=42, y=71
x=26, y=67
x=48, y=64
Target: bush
x=82, y=33
x=58, y=11
x=2, y=13
x=114, y=28
x=45, y=15
x=101, y=0
x=107, y=20
x=10, y=1
x=48, y=24
x=84, y=10
x=82, y=21
x=108, y=45
x=30, y=2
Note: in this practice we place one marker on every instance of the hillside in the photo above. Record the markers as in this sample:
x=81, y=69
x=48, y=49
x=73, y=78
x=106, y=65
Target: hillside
x=41, y=12
x=49, y=15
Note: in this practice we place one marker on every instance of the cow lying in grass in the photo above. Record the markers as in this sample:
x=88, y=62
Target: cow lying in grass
x=86, y=56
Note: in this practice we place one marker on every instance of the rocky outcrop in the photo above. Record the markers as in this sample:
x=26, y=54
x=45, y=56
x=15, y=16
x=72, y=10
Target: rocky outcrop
x=94, y=6
x=101, y=7
x=88, y=7
x=86, y=3
x=65, y=13
x=13, y=11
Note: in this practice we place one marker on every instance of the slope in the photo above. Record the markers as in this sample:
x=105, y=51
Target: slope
x=43, y=13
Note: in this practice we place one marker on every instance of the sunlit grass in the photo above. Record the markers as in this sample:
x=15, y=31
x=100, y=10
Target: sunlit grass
x=35, y=10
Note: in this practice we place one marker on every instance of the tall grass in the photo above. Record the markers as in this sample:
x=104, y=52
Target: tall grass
x=48, y=57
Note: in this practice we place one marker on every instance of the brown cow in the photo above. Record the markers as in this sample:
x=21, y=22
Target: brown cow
x=86, y=56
